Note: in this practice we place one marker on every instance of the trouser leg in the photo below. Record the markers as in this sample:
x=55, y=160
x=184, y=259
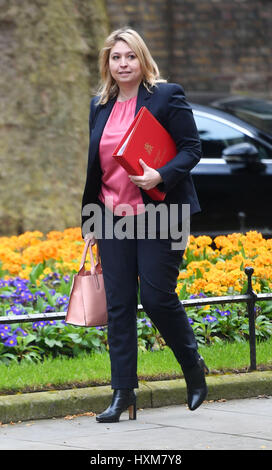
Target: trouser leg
x=119, y=264
x=158, y=271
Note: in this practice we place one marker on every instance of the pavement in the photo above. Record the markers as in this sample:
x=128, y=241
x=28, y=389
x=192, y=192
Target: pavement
x=236, y=415
x=244, y=424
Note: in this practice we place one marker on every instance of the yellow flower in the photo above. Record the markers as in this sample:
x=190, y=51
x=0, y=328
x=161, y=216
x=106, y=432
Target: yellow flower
x=221, y=271
x=203, y=240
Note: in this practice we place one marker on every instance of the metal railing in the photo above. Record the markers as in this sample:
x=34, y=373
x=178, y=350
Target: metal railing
x=250, y=298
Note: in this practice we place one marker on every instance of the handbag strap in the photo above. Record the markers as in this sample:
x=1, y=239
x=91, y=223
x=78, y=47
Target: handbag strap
x=83, y=259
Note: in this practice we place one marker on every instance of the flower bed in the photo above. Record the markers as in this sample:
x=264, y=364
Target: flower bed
x=36, y=273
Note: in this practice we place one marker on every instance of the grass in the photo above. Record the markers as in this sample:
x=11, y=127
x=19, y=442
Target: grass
x=90, y=370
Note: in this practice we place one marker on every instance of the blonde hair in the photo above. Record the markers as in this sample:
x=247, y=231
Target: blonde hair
x=151, y=75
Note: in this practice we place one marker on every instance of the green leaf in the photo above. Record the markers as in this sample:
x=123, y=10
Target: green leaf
x=95, y=341
x=65, y=287
x=40, y=304
x=36, y=272
x=52, y=342
x=240, y=244
x=74, y=337
x=50, y=297
x=198, y=273
x=267, y=308
x=183, y=292
x=29, y=338
x=49, y=342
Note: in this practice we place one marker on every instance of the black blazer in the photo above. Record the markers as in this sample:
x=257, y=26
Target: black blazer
x=168, y=104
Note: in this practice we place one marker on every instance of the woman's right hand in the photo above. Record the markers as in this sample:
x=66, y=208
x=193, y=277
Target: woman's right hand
x=90, y=235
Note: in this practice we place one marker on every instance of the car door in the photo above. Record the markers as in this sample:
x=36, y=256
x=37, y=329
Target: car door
x=232, y=198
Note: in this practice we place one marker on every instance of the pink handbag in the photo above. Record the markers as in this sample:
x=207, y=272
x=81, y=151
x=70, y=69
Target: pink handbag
x=87, y=303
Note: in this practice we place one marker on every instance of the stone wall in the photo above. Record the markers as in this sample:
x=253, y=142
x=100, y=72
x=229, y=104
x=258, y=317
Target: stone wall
x=48, y=55
x=206, y=45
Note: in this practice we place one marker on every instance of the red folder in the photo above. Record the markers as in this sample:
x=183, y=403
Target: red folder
x=147, y=139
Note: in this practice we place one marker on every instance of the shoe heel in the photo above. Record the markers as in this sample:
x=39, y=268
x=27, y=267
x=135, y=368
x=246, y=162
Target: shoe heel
x=205, y=367
x=132, y=411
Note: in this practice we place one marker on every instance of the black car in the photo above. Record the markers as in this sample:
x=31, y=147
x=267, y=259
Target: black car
x=234, y=177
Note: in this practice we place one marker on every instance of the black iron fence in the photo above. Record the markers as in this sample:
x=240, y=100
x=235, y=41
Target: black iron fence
x=250, y=298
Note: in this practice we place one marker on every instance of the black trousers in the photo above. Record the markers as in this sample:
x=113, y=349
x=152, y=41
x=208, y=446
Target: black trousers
x=154, y=266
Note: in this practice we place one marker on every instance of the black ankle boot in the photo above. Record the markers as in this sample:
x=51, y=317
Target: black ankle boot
x=197, y=389
x=122, y=400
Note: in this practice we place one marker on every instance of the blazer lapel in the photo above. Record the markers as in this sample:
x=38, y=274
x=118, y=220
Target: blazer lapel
x=103, y=115
x=142, y=98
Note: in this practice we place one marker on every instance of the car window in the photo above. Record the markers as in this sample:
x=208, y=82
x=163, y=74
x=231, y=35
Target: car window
x=254, y=111
x=216, y=136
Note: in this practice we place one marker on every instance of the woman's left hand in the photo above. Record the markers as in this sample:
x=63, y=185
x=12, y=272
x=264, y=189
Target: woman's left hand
x=149, y=179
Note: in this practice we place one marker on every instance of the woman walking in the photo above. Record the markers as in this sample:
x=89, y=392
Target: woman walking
x=130, y=79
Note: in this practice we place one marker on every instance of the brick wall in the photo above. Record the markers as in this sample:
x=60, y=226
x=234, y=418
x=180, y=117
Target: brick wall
x=206, y=45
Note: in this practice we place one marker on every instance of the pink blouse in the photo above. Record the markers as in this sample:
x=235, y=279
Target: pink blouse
x=115, y=181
